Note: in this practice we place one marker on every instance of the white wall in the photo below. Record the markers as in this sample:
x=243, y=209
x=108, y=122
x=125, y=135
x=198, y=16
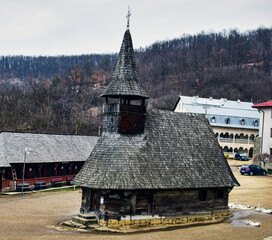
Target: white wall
x=265, y=131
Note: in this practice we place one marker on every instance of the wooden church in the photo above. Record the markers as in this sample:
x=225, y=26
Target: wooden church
x=151, y=164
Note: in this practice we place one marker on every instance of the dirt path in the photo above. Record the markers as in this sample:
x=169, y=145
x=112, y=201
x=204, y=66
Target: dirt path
x=30, y=216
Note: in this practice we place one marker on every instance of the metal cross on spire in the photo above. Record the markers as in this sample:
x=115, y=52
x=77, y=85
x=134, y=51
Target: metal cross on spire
x=128, y=15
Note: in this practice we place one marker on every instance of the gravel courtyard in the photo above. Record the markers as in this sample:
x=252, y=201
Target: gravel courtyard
x=37, y=216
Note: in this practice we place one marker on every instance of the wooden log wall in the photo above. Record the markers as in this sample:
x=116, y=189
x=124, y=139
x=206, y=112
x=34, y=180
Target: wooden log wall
x=117, y=203
x=169, y=203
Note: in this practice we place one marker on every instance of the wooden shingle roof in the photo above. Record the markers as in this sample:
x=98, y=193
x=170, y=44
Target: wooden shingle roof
x=125, y=82
x=176, y=151
x=47, y=148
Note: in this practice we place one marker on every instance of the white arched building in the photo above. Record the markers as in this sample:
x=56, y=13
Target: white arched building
x=265, y=127
x=235, y=123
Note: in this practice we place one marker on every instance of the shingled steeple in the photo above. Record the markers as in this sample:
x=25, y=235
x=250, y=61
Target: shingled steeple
x=125, y=82
x=126, y=115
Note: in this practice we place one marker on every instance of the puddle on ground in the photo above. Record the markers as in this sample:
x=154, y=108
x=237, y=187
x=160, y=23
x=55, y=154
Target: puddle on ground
x=236, y=220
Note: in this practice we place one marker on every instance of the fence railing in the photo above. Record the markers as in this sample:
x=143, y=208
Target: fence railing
x=244, y=141
x=233, y=140
x=226, y=140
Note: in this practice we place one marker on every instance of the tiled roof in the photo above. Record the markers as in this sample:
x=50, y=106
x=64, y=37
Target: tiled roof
x=46, y=148
x=262, y=105
x=125, y=82
x=176, y=150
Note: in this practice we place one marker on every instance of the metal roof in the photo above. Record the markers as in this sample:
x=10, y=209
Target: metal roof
x=221, y=109
x=263, y=105
x=234, y=122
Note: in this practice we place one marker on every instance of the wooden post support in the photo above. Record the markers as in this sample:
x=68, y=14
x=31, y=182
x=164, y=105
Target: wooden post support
x=71, y=168
x=56, y=166
x=23, y=171
x=40, y=170
x=133, y=203
x=86, y=200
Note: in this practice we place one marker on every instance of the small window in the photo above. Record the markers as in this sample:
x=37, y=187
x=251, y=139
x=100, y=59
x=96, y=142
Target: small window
x=203, y=195
x=213, y=120
x=256, y=123
x=220, y=193
x=243, y=122
x=228, y=121
x=271, y=151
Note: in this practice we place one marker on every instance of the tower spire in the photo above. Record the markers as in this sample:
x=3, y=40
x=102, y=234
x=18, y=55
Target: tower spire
x=124, y=81
x=128, y=16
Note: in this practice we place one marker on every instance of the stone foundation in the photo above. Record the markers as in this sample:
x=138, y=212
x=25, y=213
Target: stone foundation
x=125, y=224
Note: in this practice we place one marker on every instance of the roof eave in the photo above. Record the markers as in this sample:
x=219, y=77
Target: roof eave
x=132, y=96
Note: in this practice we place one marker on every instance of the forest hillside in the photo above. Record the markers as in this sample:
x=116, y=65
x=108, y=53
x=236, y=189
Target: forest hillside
x=61, y=94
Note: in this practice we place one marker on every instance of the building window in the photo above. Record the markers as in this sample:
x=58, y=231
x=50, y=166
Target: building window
x=256, y=123
x=220, y=193
x=270, y=151
x=213, y=119
x=243, y=122
x=228, y=121
x=202, y=195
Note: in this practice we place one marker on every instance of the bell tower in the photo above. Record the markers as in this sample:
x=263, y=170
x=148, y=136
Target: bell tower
x=125, y=109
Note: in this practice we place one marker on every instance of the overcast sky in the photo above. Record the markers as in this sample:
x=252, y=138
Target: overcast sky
x=57, y=27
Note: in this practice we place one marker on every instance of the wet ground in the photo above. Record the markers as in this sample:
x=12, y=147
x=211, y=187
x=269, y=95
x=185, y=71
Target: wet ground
x=240, y=217
x=37, y=216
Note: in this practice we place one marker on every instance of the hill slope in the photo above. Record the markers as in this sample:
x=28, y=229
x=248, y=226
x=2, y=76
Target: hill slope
x=61, y=94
